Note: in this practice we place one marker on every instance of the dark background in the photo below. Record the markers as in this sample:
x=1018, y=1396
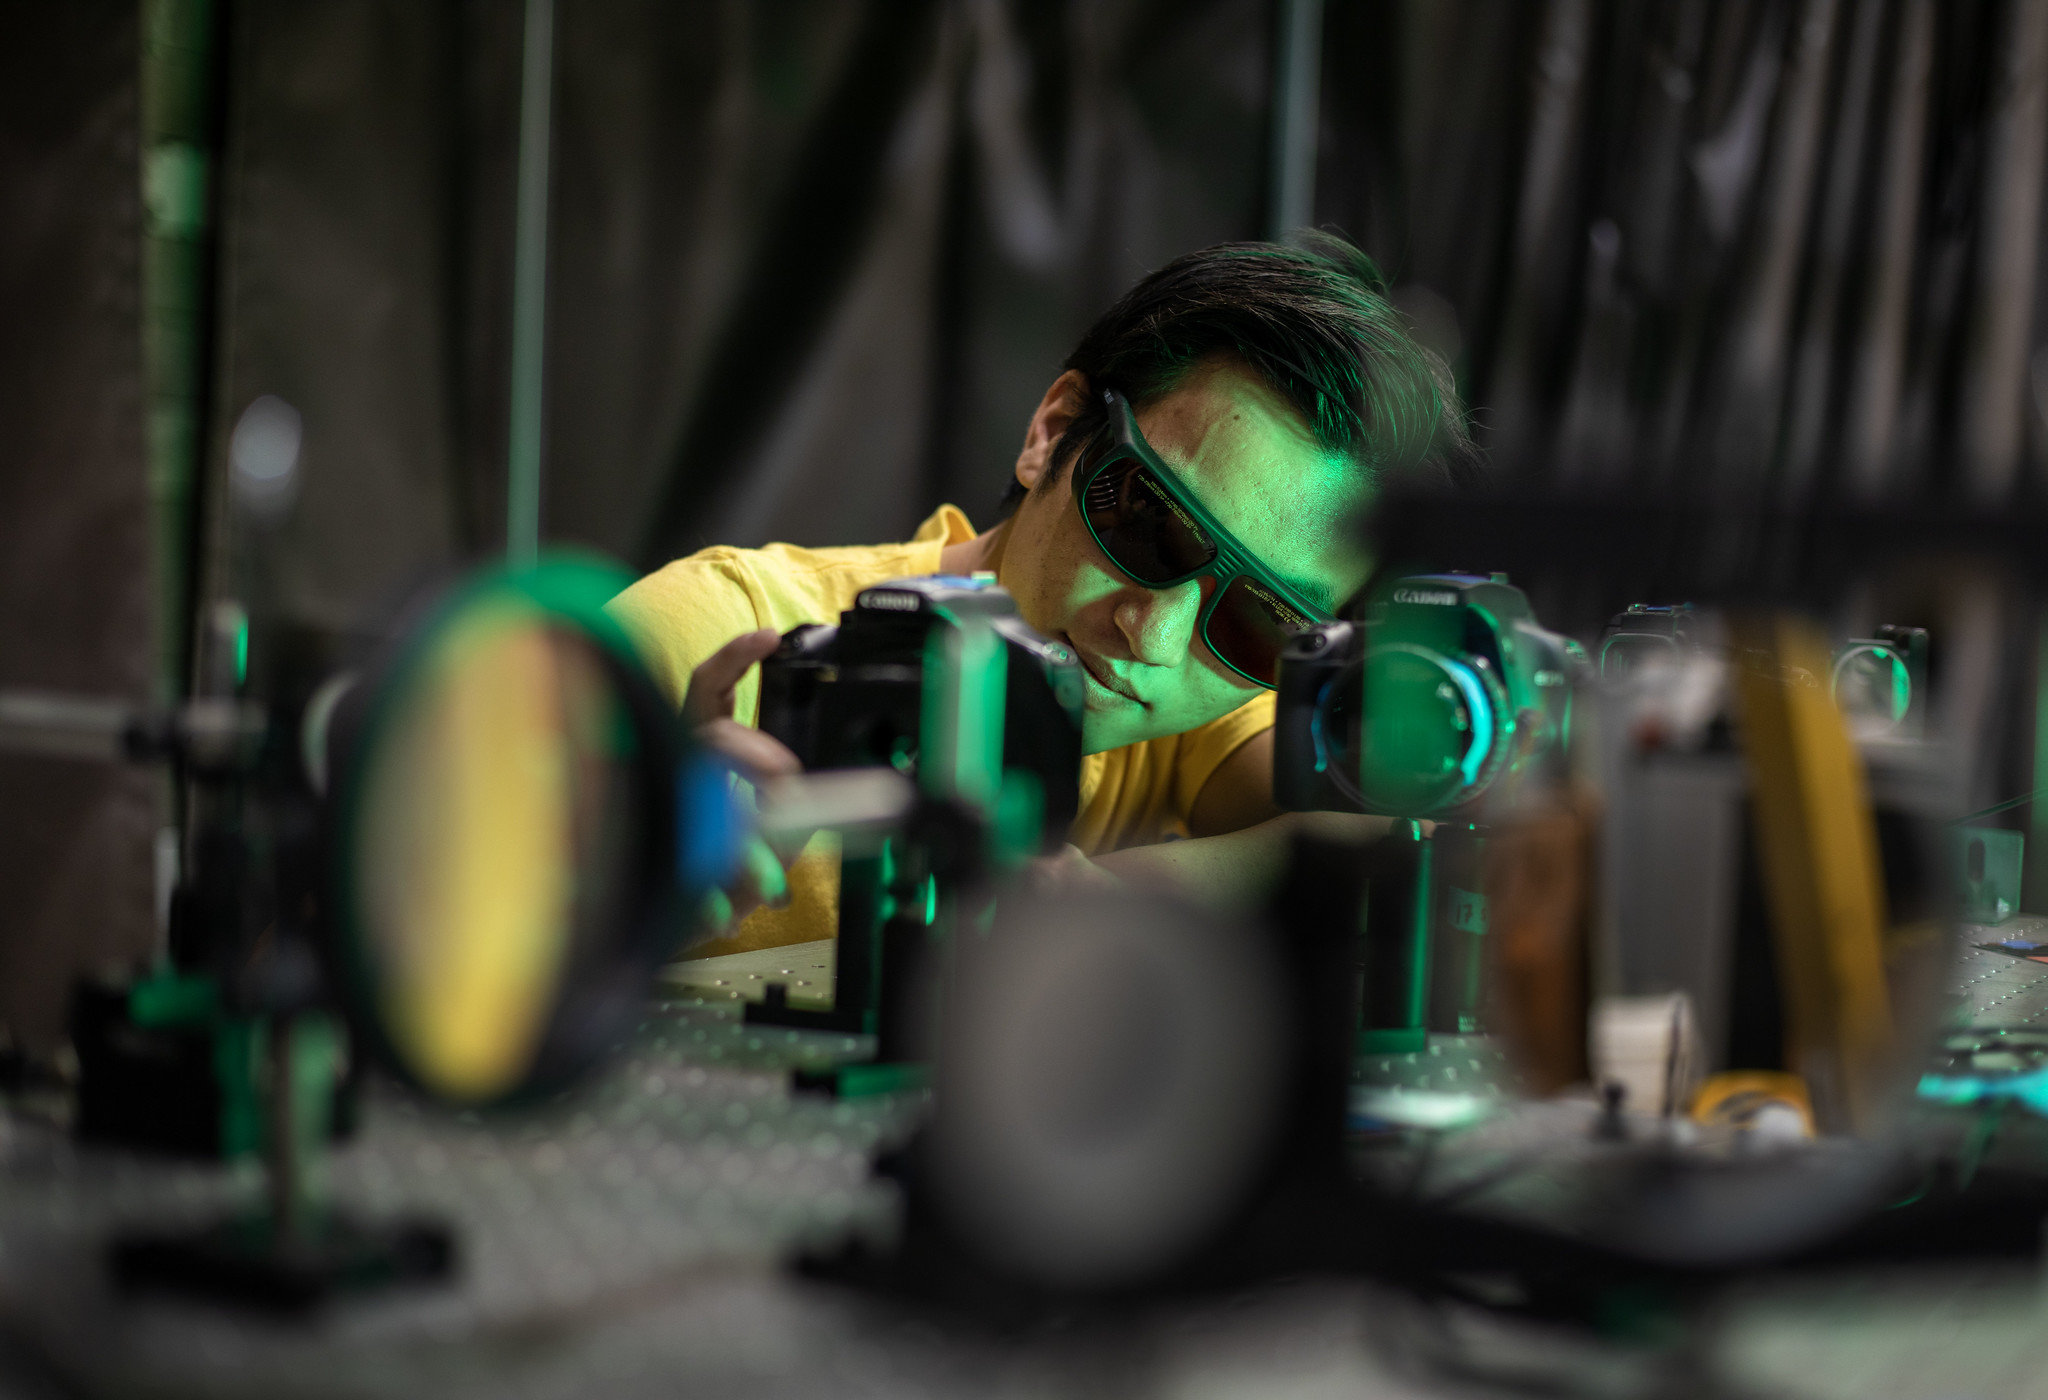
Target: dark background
x=812, y=262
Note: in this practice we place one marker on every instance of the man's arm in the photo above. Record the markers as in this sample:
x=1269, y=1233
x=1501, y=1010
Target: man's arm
x=1240, y=836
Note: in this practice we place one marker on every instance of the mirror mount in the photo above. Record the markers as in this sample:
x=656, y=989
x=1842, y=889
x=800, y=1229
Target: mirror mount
x=298, y=1250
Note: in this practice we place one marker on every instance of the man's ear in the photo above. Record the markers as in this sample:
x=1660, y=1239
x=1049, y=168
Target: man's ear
x=1061, y=405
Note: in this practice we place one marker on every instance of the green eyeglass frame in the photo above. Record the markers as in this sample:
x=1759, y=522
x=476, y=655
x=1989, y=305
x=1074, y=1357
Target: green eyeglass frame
x=1227, y=560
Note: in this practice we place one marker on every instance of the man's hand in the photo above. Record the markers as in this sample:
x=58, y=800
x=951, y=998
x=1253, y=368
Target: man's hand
x=708, y=707
x=756, y=757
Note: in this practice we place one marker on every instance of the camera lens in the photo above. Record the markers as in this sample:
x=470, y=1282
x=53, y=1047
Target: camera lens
x=1412, y=731
x=1427, y=728
x=1873, y=687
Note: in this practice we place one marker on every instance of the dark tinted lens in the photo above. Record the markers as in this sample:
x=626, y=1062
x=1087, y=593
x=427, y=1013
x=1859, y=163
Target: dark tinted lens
x=1249, y=626
x=1143, y=530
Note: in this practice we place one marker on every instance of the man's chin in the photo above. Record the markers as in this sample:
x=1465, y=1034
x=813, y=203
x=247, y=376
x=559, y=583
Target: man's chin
x=1101, y=732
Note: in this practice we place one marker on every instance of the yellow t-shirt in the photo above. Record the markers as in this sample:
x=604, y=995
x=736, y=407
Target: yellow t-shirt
x=680, y=614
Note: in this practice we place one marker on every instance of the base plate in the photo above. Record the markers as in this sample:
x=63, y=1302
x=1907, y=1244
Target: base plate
x=244, y=1260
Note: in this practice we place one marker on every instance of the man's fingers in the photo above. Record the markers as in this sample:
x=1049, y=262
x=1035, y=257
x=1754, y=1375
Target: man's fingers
x=761, y=882
x=765, y=874
x=713, y=682
x=758, y=756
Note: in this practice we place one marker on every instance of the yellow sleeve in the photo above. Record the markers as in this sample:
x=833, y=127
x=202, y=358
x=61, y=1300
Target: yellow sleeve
x=679, y=615
x=683, y=612
x=1202, y=751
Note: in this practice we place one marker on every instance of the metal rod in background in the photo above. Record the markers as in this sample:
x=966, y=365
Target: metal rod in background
x=1759, y=341
x=1839, y=221
x=530, y=287
x=1995, y=380
x=1297, y=113
x=1546, y=238
x=64, y=726
x=1879, y=373
x=179, y=86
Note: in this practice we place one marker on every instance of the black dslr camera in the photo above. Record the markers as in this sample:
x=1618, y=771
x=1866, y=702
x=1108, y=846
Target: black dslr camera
x=853, y=696
x=1645, y=635
x=1447, y=683
x=1880, y=681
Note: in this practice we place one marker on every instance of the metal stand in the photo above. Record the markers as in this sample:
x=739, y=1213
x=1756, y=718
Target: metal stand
x=892, y=908
x=1457, y=982
x=887, y=911
x=1393, y=946
x=299, y=1251
x=856, y=958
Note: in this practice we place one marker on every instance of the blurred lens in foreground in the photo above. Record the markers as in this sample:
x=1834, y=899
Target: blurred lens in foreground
x=485, y=813
x=504, y=839
x=1109, y=1080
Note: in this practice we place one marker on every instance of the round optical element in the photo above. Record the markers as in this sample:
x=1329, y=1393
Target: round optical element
x=1420, y=730
x=1872, y=685
x=505, y=840
x=1110, y=1079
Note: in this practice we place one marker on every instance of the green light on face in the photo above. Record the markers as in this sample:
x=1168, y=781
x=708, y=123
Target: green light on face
x=242, y=654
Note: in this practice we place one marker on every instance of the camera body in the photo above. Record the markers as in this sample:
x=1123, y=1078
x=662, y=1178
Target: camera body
x=1880, y=681
x=853, y=695
x=1445, y=684
x=1647, y=634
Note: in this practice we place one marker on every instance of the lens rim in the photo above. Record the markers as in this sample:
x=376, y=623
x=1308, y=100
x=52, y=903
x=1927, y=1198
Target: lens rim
x=594, y=1006
x=1901, y=677
x=1493, y=725
x=1229, y=558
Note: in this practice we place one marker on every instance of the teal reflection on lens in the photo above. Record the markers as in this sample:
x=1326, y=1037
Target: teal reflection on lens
x=1427, y=729
x=1871, y=683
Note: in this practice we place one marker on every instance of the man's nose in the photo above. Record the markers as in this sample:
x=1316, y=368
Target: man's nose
x=1159, y=623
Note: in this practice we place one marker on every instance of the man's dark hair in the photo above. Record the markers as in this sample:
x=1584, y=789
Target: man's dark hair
x=1314, y=322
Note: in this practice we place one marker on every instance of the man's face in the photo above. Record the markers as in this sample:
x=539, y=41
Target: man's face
x=1251, y=460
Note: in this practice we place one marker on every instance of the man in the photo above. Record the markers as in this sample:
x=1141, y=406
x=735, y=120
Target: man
x=1269, y=389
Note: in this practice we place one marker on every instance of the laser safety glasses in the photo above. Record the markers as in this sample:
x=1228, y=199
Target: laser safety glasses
x=1156, y=532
